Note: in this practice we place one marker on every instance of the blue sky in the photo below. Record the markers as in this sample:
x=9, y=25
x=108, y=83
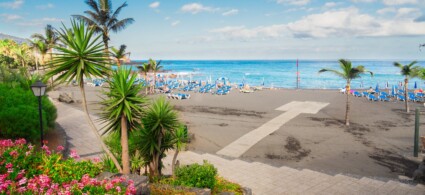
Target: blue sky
x=245, y=29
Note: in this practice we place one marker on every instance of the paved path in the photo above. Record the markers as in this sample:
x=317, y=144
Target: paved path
x=80, y=136
x=292, y=110
x=261, y=178
x=266, y=179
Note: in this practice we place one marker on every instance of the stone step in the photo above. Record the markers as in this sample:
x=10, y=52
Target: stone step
x=370, y=184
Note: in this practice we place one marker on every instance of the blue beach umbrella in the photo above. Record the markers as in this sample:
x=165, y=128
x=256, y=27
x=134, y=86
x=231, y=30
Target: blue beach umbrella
x=393, y=91
x=387, y=85
x=377, y=87
x=416, y=85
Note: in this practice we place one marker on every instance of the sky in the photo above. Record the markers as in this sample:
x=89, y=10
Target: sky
x=245, y=29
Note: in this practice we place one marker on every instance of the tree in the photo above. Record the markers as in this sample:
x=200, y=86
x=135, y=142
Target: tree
x=145, y=70
x=103, y=19
x=155, y=67
x=41, y=48
x=119, y=54
x=50, y=38
x=347, y=72
x=408, y=71
x=81, y=55
x=180, y=139
x=159, y=123
x=122, y=108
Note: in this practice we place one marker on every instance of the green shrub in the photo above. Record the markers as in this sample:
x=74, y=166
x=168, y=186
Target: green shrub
x=19, y=114
x=196, y=175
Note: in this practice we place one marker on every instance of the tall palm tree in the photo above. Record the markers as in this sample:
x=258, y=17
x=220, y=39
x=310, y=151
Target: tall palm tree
x=180, y=139
x=103, y=19
x=119, y=54
x=155, y=67
x=21, y=54
x=145, y=70
x=408, y=71
x=347, y=72
x=159, y=123
x=50, y=38
x=41, y=48
x=123, y=108
x=81, y=55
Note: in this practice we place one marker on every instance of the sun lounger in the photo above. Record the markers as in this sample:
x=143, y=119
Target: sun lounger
x=357, y=94
x=401, y=98
x=372, y=97
x=383, y=98
x=365, y=94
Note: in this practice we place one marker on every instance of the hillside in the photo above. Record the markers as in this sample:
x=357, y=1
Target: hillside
x=17, y=39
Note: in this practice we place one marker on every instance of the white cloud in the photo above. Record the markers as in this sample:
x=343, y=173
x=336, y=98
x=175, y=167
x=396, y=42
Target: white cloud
x=10, y=17
x=386, y=10
x=293, y=2
x=350, y=22
x=47, y=6
x=175, y=23
x=330, y=4
x=408, y=12
x=242, y=32
x=154, y=5
x=39, y=22
x=230, y=12
x=12, y=4
x=195, y=8
x=399, y=2
x=167, y=18
x=363, y=1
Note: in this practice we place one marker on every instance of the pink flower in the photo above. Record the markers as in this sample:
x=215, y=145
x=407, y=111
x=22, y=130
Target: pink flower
x=27, y=153
x=46, y=149
x=21, y=141
x=109, y=186
x=118, y=188
x=96, y=159
x=9, y=165
x=60, y=148
x=13, y=153
x=22, y=181
x=10, y=170
x=74, y=155
x=22, y=189
x=30, y=147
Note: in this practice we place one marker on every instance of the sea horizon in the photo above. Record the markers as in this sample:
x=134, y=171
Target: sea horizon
x=282, y=73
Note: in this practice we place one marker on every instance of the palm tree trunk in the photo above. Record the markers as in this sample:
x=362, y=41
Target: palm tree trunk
x=105, y=42
x=124, y=145
x=406, y=81
x=94, y=129
x=147, y=84
x=173, y=164
x=347, y=109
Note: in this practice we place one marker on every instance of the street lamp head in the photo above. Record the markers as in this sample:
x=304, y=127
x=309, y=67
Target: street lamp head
x=38, y=88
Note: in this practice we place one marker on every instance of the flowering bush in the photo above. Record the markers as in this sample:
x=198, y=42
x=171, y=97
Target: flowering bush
x=23, y=170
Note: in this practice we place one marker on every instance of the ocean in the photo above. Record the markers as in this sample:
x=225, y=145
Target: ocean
x=282, y=73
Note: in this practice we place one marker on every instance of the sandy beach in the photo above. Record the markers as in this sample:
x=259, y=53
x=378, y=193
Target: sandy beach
x=381, y=133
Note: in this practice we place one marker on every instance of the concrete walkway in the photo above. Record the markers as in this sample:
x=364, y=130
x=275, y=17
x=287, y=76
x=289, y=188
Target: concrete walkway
x=261, y=178
x=292, y=110
x=80, y=136
x=266, y=179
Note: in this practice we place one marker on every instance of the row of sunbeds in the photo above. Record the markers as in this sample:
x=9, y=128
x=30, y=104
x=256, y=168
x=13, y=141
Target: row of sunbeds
x=383, y=96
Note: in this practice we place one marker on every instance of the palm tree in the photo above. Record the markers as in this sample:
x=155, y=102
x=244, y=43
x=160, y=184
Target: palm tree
x=145, y=70
x=408, y=71
x=21, y=54
x=347, y=72
x=159, y=123
x=155, y=67
x=41, y=48
x=81, y=56
x=123, y=108
x=50, y=38
x=103, y=19
x=119, y=54
x=180, y=139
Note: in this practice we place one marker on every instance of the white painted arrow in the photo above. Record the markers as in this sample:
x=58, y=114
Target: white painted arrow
x=293, y=109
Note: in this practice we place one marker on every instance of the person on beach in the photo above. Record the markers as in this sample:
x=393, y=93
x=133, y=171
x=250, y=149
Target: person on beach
x=371, y=90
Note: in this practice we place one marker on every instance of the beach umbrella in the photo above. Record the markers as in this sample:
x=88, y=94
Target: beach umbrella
x=393, y=90
x=377, y=87
x=387, y=85
x=416, y=85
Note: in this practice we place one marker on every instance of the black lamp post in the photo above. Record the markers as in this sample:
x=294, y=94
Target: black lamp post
x=39, y=88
